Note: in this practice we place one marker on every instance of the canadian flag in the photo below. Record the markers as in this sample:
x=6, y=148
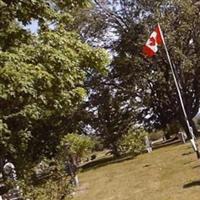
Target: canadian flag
x=155, y=39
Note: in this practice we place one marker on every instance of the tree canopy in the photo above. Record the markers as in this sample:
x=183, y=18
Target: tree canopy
x=45, y=77
x=143, y=89
x=41, y=75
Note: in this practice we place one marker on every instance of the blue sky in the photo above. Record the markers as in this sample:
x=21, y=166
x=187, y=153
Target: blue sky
x=33, y=27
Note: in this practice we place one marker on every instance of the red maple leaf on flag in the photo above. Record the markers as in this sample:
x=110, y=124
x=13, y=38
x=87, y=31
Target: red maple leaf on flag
x=152, y=41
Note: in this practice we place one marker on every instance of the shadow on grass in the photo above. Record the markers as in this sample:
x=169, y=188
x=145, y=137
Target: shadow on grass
x=188, y=153
x=197, y=166
x=189, y=162
x=112, y=160
x=166, y=143
x=191, y=184
x=147, y=165
x=105, y=161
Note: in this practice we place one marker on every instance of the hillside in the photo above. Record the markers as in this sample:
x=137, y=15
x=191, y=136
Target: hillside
x=169, y=173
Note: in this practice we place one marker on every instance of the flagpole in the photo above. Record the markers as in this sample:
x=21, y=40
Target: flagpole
x=192, y=140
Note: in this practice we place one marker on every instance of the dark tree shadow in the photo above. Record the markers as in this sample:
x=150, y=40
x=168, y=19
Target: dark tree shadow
x=197, y=166
x=191, y=184
x=147, y=165
x=188, y=153
x=189, y=162
x=104, y=161
x=170, y=142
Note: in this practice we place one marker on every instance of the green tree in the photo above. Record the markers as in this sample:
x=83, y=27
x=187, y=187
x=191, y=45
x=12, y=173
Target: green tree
x=145, y=87
x=41, y=75
x=109, y=117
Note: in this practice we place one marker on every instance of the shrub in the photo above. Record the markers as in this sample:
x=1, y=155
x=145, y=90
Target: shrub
x=76, y=145
x=156, y=135
x=99, y=146
x=50, y=190
x=132, y=142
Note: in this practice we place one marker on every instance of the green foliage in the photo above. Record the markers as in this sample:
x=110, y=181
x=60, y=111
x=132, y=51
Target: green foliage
x=5, y=135
x=172, y=129
x=137, y=87
x=99, y=144
x=198, y=123
x=42, y=76
x=132, y=142
x=76, y=145
x=50, y=190
x=156, y=135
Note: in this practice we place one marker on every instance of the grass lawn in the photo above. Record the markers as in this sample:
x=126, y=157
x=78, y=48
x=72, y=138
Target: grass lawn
x=169, y=173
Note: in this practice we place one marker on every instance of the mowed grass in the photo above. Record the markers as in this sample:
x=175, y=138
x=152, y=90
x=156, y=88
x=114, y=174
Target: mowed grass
x=169, y=173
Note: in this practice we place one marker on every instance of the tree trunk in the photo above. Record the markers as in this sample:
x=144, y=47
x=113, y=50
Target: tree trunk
x=115, y=150
x=166, y=132
x=167, y=135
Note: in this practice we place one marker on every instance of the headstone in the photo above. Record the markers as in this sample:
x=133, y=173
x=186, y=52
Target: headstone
x=9, y=171
x=182, y=136
x=148, y=144
x=12, y=191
